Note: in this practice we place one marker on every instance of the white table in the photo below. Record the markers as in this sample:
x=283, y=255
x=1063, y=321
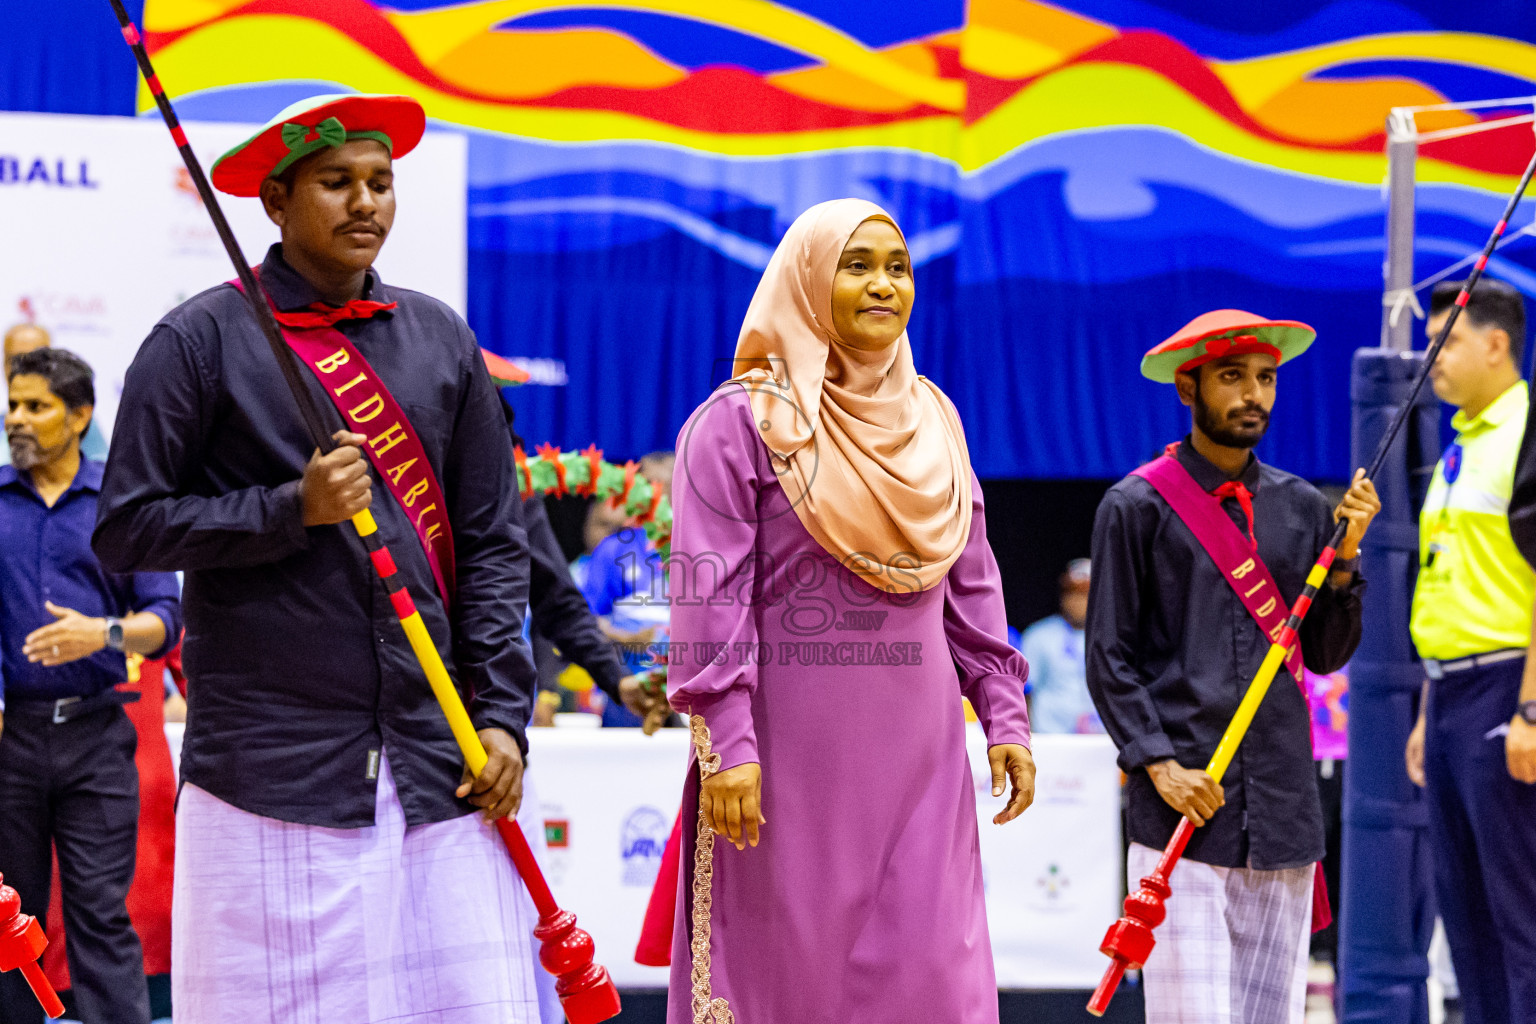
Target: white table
x=607, y=799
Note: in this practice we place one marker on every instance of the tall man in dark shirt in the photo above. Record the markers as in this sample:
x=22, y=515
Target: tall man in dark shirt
x=67, y=776
x=1171, y=648
x=328, y=866
x=558, y=612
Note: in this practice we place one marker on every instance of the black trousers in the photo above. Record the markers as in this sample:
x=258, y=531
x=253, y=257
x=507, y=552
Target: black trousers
x=1482, y=824
x=74, y=785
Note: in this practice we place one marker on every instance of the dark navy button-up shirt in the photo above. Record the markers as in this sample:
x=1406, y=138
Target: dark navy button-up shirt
x=1171, y=650
x=45, y=555
x=298, y=670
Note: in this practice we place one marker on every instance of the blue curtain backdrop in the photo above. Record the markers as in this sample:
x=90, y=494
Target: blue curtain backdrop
x=1045, y=267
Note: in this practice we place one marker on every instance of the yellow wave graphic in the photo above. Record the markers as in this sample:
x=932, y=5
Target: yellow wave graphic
x=436, y=34
x=265, y=48
x=1013, y=39
x=1090, y=96
x=1082, y=96
x=1257, y=80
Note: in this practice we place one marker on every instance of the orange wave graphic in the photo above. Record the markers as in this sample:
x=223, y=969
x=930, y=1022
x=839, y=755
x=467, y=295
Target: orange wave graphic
x=593, y=83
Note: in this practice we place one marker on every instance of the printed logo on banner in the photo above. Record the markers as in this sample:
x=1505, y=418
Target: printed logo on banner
x=184, y=186
x=46, y=172
x=1054, y=882
x=1053, y=891
x=543, y=371
x=558, y=855
x=1061, y=788
x=642, y=838
x=65, y=313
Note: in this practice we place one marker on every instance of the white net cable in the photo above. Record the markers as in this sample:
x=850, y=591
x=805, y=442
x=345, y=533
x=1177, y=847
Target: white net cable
x=1401, y=299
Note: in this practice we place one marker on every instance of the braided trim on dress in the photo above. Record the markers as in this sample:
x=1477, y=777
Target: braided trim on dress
x=706, y=1009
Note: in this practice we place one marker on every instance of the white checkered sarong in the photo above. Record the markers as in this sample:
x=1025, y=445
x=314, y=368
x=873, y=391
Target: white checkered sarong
x=1234, y=948
x=276, y=923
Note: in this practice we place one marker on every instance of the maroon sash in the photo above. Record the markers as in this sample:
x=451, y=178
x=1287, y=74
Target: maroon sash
x=399, y=460
x=1233, y=554
x=1250, y=580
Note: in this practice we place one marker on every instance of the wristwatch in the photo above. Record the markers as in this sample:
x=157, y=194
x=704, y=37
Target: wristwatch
x=1527, y=711
x=115, y=634
x=1349, y=565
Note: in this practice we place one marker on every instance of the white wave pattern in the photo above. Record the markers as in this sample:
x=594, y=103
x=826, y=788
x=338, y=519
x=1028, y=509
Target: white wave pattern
x=925, y=246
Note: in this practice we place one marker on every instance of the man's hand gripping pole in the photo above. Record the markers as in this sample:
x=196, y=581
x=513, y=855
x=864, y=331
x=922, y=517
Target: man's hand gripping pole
x=587, y=994
x=1129, y=940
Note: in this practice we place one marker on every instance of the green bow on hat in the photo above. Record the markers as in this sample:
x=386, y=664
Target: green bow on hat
x=303, y=139
x=327, y=133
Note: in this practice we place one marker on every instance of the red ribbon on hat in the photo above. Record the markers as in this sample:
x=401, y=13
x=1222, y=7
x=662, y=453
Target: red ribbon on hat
x=318, y=314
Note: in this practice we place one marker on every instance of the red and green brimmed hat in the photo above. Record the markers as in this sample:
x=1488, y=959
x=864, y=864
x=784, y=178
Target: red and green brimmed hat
x=313, y=124
x=1225, y=332
x=504, y=372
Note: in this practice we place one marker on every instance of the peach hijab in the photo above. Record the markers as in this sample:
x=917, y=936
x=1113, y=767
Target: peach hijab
x=871, y=455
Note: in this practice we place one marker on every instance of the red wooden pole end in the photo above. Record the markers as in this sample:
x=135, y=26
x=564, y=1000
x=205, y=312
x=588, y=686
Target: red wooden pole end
x=587, y=994
x=595, y=999
x=1129, y=940
x=21, y=943
x=1099, y=1002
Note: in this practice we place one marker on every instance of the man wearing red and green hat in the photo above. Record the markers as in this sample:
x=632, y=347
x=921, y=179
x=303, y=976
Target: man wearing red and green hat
x=329, y=863
x=1197, y=557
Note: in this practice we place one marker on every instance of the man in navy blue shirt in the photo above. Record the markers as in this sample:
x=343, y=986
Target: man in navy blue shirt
x=28, y=337
x=67, y=776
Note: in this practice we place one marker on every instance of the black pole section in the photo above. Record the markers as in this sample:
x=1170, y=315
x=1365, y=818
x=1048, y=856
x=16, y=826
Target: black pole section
x=254, y=295
x=1406, y=410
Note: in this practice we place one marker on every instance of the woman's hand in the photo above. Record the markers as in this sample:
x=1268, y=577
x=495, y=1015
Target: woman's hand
x=731, y=803
x=1012, y=761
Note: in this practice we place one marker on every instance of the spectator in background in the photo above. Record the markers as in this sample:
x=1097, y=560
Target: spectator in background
x=67, y=774
x=1474, y=746
x=1058, y=671
x=626, y=587
x=28, y=338
x=562, y=629
x=604, y=519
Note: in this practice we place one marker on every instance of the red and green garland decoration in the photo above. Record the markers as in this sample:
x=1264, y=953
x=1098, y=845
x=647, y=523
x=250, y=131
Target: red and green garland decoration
x=584, y=473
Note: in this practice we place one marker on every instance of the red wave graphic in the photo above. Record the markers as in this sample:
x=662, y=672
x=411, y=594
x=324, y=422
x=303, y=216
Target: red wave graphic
x=728, y=100
x=725, y=100
x=355, y=18
x=714, y=99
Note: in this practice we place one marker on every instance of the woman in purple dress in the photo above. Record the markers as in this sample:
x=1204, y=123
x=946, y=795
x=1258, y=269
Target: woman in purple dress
x=833, y=595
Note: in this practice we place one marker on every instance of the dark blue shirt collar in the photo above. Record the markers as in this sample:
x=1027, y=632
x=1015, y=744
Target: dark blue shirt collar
x=1210, y=476
x=87, y=478
x=291, y=290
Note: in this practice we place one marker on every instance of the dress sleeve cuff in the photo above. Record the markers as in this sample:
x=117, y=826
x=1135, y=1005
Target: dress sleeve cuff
x=729, y=718
x=1145, y=750
x=998, y=700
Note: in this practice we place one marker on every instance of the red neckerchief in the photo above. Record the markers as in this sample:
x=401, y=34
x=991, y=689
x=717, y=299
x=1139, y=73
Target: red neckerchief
x=1236, y=489
x=318, y=314
x=1231, y=489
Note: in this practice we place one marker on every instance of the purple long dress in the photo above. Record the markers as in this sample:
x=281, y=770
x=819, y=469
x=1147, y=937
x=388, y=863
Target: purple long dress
x=862, y=904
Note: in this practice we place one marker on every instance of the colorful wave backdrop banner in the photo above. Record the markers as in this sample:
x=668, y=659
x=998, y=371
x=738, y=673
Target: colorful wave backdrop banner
x=1076, y=181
